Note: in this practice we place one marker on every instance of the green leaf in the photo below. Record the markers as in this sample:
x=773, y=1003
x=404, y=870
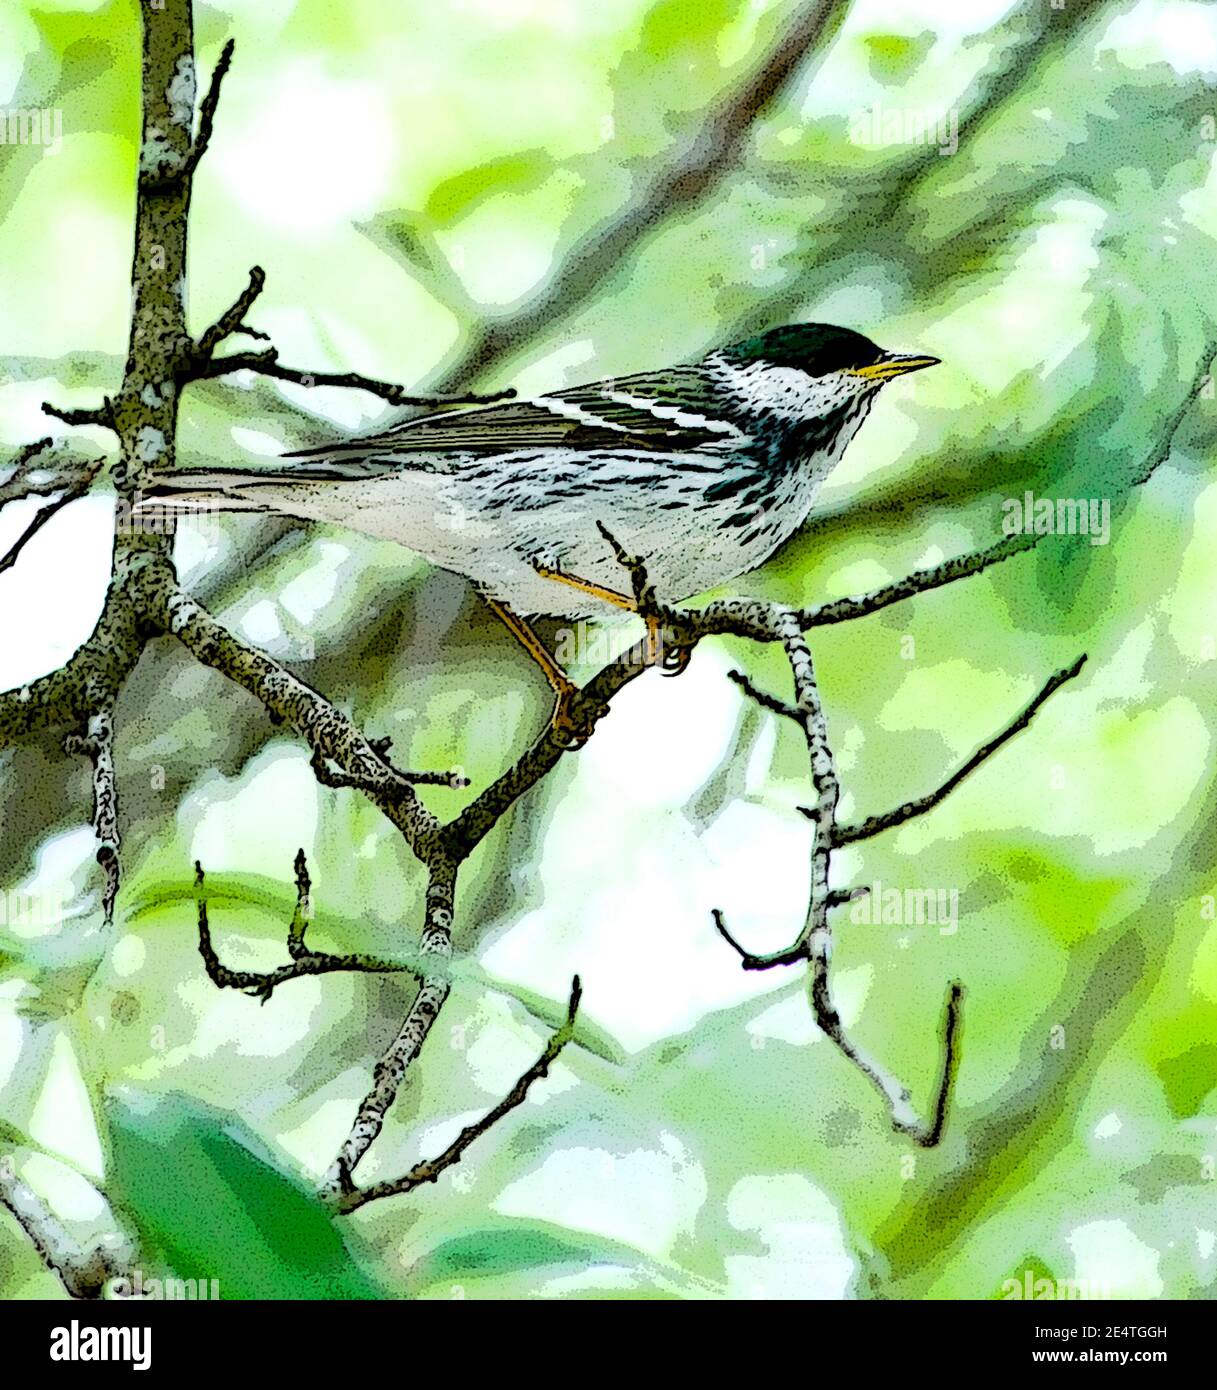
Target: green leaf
x=457, y=196
x=208, y=1207
x=534, y=1251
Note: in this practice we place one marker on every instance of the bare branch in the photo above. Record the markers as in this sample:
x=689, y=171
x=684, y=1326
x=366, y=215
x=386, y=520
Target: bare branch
x=875, y=825
x=762, y=697
x=328, y=732
x=261, y=984
x=434, y=955
x=328, y=777
x=63, y=473
x=88, y=415
x=23, y=480
x=84, y=1270
x=430, y=1169
x=207, y=112
x=904, y=1118
x=97, y=744
x=232, y=320
x=814, y=942
x=266, y=363
x=40, y=519
x=844, y=610
x=952, y=1020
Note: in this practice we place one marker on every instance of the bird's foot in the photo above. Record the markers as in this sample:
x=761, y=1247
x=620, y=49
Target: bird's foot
x=573, y=720
x=674, y=660
x=668, y=656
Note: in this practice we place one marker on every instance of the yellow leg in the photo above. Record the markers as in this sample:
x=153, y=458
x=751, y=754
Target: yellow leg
x=569, y=730
x=672, y=663
x=585, y=586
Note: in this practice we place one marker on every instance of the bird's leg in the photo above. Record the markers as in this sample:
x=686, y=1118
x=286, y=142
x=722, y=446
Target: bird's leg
x=571, y=731
x=585, y=586
x=654, y=624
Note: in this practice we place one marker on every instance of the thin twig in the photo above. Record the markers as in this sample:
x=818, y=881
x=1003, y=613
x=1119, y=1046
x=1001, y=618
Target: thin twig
x=875, y=825
x=20, y=484
x=266, y=363
x=329, y=777
x=207, y=111
x=261, y=984
x=952, y=1019
x=232, y=320
x=430, y=1169
x=85, y=415
x=762, y=697
x=38, y=521
x=434, y=955
x=814, y=942
x=68, y=475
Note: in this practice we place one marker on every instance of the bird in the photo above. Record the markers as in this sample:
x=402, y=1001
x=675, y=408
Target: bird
x=702, y=470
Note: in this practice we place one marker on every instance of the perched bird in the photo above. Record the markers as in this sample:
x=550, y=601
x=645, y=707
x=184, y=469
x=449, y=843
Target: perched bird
x=703, y=470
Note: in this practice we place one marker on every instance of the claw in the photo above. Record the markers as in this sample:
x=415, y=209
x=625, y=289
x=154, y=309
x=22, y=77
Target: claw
x=675, y=659
x=572, y=730
x=670, y=659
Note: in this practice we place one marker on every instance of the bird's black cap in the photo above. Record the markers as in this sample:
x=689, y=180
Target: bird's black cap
x=815, y=348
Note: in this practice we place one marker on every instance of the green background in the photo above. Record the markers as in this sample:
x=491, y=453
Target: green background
x=408, y=173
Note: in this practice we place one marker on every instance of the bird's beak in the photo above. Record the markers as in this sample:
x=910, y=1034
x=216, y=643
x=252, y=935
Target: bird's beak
x=893, y=365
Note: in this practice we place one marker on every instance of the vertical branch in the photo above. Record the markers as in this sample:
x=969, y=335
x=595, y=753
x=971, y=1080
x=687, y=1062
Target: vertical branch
x=809, y=713
x=97, y=744
x=146, y=408
x=434, y=955
x=814, y=942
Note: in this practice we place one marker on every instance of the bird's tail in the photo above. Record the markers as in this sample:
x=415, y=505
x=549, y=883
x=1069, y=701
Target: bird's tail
x=209, y=490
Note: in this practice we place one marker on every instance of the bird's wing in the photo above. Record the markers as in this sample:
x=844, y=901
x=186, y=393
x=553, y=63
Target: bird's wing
x=673, y=411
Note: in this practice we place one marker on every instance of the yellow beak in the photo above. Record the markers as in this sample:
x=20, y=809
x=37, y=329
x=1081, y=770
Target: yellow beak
x=893, y=365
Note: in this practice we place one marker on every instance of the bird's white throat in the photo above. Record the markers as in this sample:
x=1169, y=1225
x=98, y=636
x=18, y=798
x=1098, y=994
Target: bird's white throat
x=787, y=392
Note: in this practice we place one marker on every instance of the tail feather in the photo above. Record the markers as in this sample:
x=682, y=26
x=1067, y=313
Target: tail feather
x=206, y=489
x=243, y=489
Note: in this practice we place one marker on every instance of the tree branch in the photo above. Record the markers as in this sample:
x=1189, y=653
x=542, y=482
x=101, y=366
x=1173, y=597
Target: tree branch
x=97, y=744
x=262, y=984
x=875, y=825
x=39, y=520
x=207, y=112
x=814, y=941
x=327, y=731
x=21, y=482
x=434, y=955
x=84, y=1270
x=85, y=415
x=232, y=320
x=266, y=363
x=430, y=1169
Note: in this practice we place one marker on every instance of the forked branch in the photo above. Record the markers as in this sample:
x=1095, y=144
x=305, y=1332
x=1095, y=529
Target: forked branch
x=815, y=940
x=430, y=1169
x=262, y=984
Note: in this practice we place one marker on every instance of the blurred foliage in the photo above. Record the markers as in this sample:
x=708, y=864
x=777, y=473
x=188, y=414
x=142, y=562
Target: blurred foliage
x=409, y=174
